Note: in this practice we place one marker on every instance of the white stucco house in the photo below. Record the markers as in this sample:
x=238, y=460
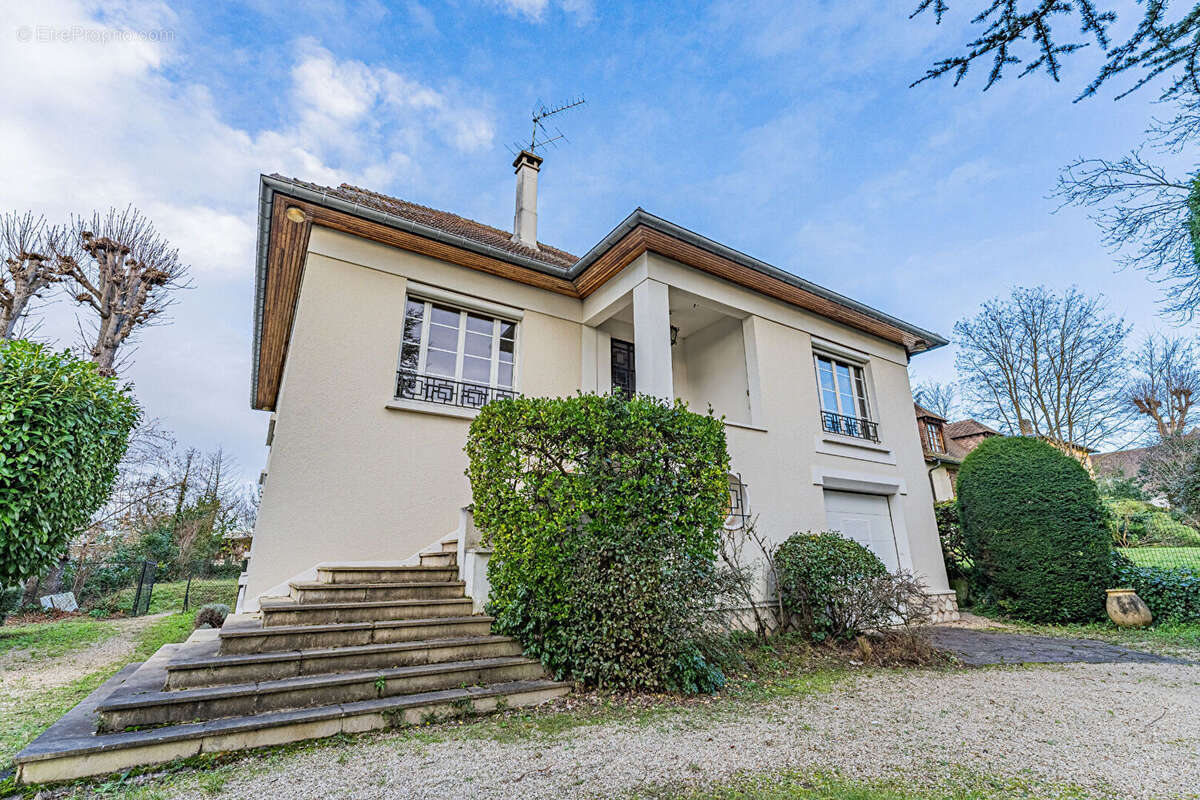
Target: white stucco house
x=381, y=326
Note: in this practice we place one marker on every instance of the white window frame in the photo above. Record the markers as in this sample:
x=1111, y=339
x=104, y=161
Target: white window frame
x=863, y=378
x=460, y=345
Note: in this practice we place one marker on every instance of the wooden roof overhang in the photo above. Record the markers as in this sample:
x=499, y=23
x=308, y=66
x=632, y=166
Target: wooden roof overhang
x=287, y=213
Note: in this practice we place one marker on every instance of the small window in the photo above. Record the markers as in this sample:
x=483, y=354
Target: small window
x=843, y=388
x=934, y=436
x=455, y=357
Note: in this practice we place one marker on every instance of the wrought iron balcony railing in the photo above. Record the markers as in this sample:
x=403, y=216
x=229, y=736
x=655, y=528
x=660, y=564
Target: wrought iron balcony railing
x=850, y=426
x=411, y=385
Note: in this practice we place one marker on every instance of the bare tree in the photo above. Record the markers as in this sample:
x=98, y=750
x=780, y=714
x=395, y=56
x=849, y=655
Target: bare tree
x=1147, y=217
x=1158, y=45
x=1166, y=383
x=1038, y=364
x=125, y=272
x=940, y=398
x=28, y=248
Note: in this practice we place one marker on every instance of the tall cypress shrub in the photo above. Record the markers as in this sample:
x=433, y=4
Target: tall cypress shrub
x=1034, y=529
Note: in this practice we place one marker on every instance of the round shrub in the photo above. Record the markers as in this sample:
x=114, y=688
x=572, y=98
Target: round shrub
x=1035, y=530
x=212, y=615
x=604, y=517
x=818, y=576
x=63, y=430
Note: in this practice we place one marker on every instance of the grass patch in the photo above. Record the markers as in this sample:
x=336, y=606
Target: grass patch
x=168, y=597
x=792, y=785
x=25, y=714
x=53, y=639
x=166, y=630
x=1163, y=557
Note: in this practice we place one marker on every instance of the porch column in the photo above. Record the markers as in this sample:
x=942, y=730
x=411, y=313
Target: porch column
x=652, y=339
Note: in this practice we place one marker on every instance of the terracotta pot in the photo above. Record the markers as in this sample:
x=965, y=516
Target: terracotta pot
x=1126, y=609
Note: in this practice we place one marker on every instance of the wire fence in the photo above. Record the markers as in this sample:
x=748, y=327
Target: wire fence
x=127, y=588
x=1170, y=558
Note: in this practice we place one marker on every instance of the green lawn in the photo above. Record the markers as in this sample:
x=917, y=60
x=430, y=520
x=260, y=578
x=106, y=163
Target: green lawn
x=48, y=640
x=24, y=715
x=1163, y=556
x=792, y=785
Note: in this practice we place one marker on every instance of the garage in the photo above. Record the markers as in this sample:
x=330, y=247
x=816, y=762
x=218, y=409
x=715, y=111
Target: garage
x=866, y=519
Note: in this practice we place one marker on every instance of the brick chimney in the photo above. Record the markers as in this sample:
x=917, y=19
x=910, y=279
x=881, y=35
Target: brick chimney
x=527, y=165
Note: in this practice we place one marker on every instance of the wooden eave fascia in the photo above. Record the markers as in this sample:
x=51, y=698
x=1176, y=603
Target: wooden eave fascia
x=287, y=245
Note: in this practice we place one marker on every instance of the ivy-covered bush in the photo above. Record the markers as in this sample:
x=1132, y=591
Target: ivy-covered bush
x=818, y=574
x=1034, y=530
x=1173, y=594
x=63, y=429
x=604, y=517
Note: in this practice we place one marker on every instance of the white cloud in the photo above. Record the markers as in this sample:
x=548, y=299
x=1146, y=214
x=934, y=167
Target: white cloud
x=99, y=119
x=534, y=10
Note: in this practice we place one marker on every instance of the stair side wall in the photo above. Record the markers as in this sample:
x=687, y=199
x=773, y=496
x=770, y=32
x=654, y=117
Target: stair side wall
x=349, y=479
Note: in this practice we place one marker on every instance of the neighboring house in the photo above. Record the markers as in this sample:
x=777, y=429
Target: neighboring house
x=235, y=546
x=381, y=326
x=946, y=444
x=1120, y=463
x=1128, y=464
x=943, y=455
x=966, y=434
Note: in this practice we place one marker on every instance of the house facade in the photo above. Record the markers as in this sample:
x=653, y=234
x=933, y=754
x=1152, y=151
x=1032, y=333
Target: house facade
x=381, y=327
x=946, y=444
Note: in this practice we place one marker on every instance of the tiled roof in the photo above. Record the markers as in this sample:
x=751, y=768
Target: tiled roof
x=954, y=451
x=443, y=221
x=922, y=411
x=967, y=427
x=1121, y=462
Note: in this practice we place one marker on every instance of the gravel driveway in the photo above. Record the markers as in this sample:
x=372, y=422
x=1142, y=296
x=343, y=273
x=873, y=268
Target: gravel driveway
x=1127, y=730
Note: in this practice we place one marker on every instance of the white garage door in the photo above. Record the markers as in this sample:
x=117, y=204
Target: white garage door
x=865, y=519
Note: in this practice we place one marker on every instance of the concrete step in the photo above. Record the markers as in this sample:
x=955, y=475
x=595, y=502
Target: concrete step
x=124, y=710
x=289, y=612
x=71, y=749
x=248, y=636
x=440, y=559
x=353, y=573
x=369, y=592
x=450, y=546
x=218, y=670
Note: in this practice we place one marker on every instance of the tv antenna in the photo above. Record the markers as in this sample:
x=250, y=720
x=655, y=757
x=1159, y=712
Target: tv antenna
x=543, y=136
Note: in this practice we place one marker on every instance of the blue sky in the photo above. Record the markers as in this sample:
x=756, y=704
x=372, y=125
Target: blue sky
x=786, y=130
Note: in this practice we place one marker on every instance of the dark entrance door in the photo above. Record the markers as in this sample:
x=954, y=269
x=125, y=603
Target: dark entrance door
x=624, y=378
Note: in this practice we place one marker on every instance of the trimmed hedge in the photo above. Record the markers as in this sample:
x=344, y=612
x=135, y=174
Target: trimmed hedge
x=63, y=430
x=954, y=547
x=1035, y=531
x=1173, y=595
x=604, y=517
x=817, y=573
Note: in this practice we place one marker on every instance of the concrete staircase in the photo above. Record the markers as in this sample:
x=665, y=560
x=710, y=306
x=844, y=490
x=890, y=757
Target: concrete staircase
x=360, y=648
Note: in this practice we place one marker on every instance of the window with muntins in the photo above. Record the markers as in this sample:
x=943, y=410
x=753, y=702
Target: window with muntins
x=845, y=408
x=935, y=439
x=454, y=356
